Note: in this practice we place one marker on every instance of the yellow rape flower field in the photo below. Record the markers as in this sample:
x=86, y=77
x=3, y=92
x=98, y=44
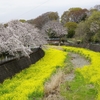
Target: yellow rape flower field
x=91, y=73
x=30, y=82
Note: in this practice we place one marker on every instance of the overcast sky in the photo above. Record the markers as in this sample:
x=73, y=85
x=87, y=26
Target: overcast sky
x=29, y=9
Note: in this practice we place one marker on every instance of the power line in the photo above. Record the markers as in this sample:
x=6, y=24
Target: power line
x=34, y=8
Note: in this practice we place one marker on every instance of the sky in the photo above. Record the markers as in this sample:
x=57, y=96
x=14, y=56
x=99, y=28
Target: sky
x=30, y=9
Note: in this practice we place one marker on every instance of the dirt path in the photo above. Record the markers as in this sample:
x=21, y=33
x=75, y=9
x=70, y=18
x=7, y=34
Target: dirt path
x=77, y=61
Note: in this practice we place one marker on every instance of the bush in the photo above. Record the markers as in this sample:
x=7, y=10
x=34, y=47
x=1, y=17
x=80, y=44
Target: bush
x=70, y=34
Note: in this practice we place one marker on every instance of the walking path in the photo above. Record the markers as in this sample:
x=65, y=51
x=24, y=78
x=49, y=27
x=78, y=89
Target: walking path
x=77, y=61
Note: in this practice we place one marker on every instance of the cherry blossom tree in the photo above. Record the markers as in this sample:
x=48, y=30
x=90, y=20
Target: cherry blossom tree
x=53, y=29
x=19, y=37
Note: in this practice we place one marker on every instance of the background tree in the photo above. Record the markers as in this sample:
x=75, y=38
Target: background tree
x=64, y=18
x=81, y=32
x=71, y=26
x=94, y=21
x=41, y=20
x=22, y=20
x=53, y=16
x=74, y=15
x=97, y=7
x=90, y=28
